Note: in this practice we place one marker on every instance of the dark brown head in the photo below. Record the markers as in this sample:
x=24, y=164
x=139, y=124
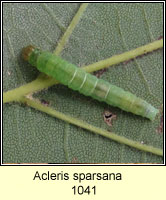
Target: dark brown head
x=26, y=52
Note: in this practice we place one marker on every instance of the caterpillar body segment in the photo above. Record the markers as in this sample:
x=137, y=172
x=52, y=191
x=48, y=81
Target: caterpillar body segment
x=87, y=84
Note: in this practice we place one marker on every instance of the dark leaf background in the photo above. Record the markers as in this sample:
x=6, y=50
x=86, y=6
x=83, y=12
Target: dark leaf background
x=104, y=30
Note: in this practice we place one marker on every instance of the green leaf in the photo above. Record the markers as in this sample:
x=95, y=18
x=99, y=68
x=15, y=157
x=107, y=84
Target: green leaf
x=103, y=31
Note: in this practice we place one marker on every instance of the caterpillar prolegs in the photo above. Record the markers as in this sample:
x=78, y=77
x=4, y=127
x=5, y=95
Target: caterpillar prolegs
x=87, y=84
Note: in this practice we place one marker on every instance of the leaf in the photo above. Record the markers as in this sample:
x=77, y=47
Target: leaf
x=104, y=30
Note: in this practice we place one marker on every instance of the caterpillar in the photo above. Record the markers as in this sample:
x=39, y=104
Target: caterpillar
x=87, y=84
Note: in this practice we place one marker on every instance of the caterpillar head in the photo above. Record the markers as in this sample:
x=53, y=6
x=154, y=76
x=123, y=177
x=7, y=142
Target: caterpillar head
x=30, y=54
x=26, y=52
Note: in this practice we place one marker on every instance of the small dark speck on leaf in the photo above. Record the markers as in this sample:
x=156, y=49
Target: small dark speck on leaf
x=108, y=117
x=128, y=61
x=44, y=102
x=74, y=160
x=100, y=72
x=161, y=37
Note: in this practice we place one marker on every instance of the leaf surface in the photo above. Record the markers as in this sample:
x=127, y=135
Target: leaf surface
x=104, y=30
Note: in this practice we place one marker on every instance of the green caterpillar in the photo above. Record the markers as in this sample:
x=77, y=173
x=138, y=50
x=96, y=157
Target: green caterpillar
x=87, y=84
